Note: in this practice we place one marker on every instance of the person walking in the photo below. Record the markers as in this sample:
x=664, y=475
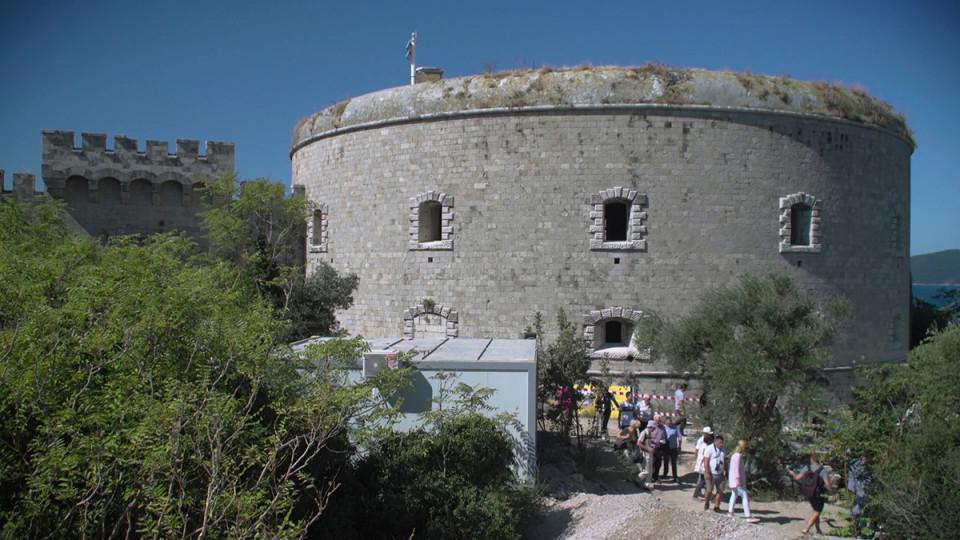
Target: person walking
x=605, y=404
x=705, y=440
x=813, y=484
x=673, y=449
x=714, y=473
x=679, y=407
x=737, y=480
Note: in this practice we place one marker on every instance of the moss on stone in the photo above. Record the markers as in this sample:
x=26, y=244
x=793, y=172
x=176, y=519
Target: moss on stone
x=584, y=85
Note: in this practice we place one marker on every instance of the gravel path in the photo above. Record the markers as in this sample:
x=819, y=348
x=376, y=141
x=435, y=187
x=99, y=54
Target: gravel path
x=601, y=502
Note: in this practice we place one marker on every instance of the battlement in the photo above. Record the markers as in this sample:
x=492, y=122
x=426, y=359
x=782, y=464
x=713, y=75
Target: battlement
x=127, y=163
x=94, y=145
x=24, y=187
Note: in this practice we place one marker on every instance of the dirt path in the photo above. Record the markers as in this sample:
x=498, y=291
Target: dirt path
x=605, y=503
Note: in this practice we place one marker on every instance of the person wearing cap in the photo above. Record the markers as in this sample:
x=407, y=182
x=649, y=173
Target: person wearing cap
x=705, y=440
x=646, y=444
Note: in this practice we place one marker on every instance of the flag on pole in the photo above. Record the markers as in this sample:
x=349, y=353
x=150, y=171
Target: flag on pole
x=411, y=46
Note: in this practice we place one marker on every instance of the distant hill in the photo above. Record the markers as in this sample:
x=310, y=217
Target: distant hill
x=942, y=267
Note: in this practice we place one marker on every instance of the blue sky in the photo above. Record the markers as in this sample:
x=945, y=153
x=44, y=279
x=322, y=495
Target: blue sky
x=247, y=71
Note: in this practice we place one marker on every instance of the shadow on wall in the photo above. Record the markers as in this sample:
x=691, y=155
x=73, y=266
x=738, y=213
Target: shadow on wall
x=418, y=397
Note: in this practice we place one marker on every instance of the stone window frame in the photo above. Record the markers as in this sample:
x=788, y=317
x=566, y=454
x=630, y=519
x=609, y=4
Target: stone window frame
x=320, y=247
x=446, y=218
x=451, y=316
x=786, y=217
x=636, y=230
x=600, y=316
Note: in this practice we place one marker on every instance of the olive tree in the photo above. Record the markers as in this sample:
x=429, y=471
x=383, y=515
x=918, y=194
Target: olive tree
x=759, y=348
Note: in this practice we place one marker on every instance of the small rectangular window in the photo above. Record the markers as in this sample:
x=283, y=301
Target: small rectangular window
x=316, y=239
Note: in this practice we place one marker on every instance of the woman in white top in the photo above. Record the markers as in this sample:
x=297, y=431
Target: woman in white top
x=737, y=481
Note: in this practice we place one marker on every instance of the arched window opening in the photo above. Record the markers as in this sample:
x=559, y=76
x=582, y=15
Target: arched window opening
x=430, y=219
x=613, y=332
x=800, y=220
x=109, y=190
x=141, y=192
x=615, y=218
x=76, y=190
x=316, y=238
x=171, y=193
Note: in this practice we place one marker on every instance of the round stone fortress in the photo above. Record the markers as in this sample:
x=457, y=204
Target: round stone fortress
x=467, y=205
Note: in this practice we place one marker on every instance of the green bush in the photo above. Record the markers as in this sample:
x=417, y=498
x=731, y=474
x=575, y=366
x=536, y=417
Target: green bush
x=452, y=481
x=144, y=393
x=904, y=421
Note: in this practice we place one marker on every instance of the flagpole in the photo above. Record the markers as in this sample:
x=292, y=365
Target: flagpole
x=412, y=57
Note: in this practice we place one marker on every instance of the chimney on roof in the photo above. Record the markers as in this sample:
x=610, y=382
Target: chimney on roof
x=428, y=74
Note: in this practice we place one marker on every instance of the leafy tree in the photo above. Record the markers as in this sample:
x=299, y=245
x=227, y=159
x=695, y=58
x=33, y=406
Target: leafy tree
x=562, y=365
x=451, y=478
x=262, y=231
x=758, y=347
x=904, y=422
x=146, y=394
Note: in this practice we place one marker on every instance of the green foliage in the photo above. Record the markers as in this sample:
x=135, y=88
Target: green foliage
x=315, y=300
x=758, y=348
x=262, y=232
x=144, y=393
x=905, y=422
x=451, y=478
x=926, y=317
x=561, y=365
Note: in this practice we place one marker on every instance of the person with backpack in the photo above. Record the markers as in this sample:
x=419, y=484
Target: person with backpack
x=737, y=480
x=714, y=473
x=813, y=485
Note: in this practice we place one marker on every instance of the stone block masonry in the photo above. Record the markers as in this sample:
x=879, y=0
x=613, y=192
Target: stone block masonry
x=706, y=187
x=124, y=190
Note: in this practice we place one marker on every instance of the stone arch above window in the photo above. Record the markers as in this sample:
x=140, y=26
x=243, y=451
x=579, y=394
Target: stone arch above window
x=430, y=321
x=617, y=220
x=598, y=324
x=799, y=223
x=431, y=221
x=317, y=229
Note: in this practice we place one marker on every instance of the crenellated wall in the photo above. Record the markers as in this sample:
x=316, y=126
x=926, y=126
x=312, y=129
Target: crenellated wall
x=24, y=187
x=124, y=190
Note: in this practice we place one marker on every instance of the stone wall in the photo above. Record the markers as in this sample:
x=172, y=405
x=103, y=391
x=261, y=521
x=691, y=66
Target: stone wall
x=124, y=190
x=527, y=185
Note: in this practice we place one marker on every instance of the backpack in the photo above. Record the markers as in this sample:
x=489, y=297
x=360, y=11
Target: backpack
x=626, y=415
x=811, y=485
x=721, y=456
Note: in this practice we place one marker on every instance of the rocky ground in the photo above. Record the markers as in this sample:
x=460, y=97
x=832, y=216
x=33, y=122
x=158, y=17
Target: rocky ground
x=591, y=495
